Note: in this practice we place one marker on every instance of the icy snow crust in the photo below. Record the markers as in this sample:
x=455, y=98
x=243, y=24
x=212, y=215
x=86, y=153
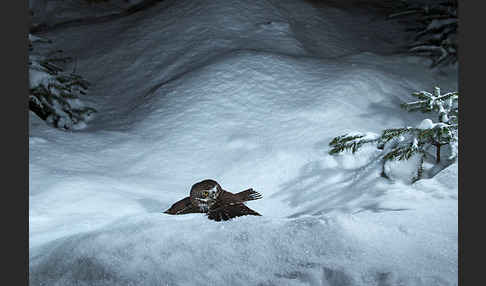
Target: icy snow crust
x=248, y=93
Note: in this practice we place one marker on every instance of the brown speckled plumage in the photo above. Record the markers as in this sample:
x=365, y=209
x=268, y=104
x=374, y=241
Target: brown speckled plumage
x=208, y=197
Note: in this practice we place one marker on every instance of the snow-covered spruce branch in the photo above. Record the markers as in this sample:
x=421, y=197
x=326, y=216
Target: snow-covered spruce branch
x=445, y=105
x=54, y=94
x=403, y=143
x=436, y=35
x=350, y=142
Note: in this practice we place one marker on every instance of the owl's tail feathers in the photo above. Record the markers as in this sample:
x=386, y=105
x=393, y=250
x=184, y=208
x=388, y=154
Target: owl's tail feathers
x=252, y=212
x=249, y=195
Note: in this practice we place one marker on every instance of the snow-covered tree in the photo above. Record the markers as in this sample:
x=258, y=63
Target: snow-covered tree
x=436, y=33
x=54, y=93
x=444, y=132
x=407, y=142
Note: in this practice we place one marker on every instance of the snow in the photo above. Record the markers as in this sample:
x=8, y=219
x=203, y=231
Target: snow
x=37, y=78
x=426, y=124
x=439, y=23
x=404, y=170
x=248, y=93
x=52, y=12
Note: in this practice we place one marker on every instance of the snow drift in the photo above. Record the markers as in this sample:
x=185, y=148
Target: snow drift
x=248, y=93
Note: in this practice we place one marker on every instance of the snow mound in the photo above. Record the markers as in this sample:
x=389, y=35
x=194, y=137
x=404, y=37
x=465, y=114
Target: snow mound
x=157, y=250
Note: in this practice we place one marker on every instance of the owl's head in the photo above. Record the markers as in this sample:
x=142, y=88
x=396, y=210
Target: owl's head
x=205, y=193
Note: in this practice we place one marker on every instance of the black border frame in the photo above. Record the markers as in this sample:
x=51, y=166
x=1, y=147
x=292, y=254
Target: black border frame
x=15, y=23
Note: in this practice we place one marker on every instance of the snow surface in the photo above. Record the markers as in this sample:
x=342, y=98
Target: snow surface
x=248, y=93
x=52, y=12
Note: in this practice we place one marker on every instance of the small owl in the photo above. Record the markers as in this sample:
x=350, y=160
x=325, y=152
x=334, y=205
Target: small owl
x=208, y=197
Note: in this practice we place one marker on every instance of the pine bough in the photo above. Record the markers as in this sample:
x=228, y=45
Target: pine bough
x=436, y=34
x=54, y=93
x=403, y=143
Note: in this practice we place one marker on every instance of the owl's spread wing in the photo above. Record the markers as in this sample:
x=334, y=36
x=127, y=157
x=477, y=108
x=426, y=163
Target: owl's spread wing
x=230, y=211
x=248, y=195
x=183, y=206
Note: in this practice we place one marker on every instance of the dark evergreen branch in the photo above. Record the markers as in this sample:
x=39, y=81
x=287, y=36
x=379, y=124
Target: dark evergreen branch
x=349, y=142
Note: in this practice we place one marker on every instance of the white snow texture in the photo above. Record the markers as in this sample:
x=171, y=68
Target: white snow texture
x=248, y=93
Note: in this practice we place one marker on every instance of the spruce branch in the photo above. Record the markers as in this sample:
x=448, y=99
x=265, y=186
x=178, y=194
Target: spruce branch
x=403, y=143
x=405, y=151
x=436, y=31
x=349, y=142
x=444, y=104
x=54, y=94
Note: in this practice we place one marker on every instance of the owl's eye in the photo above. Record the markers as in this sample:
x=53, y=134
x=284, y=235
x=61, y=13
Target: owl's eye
x=205, y=193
